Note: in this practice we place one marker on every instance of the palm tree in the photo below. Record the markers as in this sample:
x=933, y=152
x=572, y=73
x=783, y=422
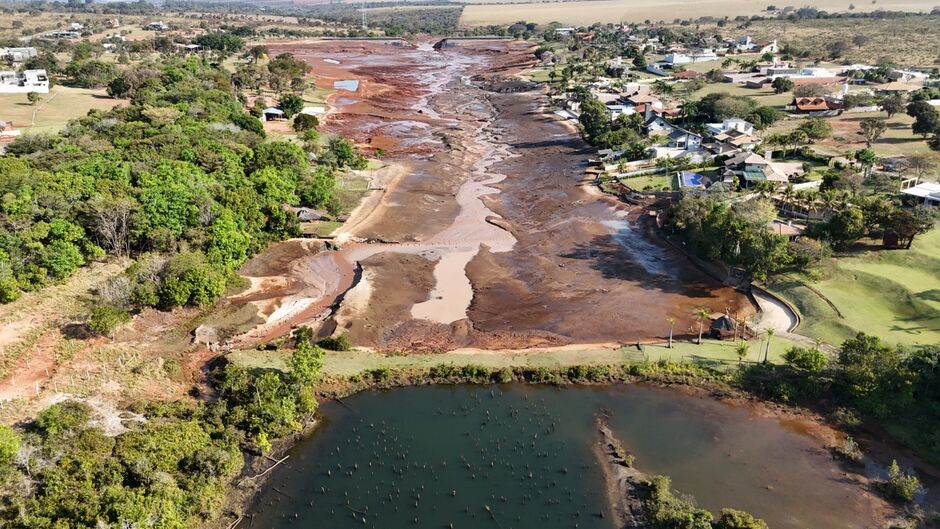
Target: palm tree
x=702, y=315
x=742, y=349
x=672, y=325
x=770, y=334
x=788, y=194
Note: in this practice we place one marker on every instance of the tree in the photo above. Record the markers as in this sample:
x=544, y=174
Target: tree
x=304, y=122
x=220, y=41
x=702, y=315
x=893, y=104
x=871, y=129
x=742, y=348
x=900, y=485
x=594, y=119
x=782, y=84
x=868, y=159
x=770, y=334
x=909, y=223
x=257, y=52
x=33, y=97
x=111, y=217
x=816, y=129
x=926, y=123
x=860, y=40
x=846, y=227
x=672, y=326
x=305, y=363
x=922, y=164
x=291, y=104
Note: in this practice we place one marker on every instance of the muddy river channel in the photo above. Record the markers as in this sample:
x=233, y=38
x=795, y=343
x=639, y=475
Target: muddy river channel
x=483, y=231
x=435, y=456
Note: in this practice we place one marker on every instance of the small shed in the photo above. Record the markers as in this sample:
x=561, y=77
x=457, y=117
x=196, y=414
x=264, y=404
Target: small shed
x=272, y=113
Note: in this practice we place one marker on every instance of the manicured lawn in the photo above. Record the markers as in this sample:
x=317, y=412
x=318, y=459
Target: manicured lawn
x=893, y=294
x=653, y=182
x=763, y=96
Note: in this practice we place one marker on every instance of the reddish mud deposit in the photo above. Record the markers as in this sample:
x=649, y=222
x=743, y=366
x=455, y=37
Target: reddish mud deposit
x=489, y=238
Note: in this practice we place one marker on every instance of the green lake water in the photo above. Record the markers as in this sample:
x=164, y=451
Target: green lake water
x=518, y=457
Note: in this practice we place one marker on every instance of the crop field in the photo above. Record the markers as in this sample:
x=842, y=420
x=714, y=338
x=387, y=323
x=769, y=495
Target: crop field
x=56, y=108
x=481, y=13
x=894, y=294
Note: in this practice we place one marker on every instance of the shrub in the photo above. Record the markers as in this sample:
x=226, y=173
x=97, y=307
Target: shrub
x=305, y=122
x=61, y=418
x=9, y=444
x=339, y=343
x=732, y=519
x=900, y=485
x=105, y=318
x=812, y=360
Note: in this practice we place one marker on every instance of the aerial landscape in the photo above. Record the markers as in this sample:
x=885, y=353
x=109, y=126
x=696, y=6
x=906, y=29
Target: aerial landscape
x=508, y=264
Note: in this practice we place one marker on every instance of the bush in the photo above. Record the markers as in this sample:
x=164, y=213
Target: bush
x=812, y=360
x=62, y=418
x=339, y=343
x=305, y=122
x=900, y=486
x=105, y=318
x=732, y=519
x=9, y=444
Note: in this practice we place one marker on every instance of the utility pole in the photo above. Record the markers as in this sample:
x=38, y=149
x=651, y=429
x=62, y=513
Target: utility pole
x=364, y=15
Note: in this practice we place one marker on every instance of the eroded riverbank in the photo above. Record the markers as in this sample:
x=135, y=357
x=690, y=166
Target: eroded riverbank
x=487, y=238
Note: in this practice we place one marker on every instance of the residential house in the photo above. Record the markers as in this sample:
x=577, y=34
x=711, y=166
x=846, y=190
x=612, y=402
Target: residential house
x=896, y=87
x=727, y=125
x=272, y=114
x=12, y=82
x=815, y=105
x=751, y=167
x=564, y=31
x=749, y=45
x=702, y=55
x=926, y=193
x=15, y=55
x=156, y=26
x=732, y=142
x=786, y=228
x=686, y=75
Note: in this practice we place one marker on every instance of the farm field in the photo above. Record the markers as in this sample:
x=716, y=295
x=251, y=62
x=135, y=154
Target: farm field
x=56, y=108
x=483, y=13
x=893, y=294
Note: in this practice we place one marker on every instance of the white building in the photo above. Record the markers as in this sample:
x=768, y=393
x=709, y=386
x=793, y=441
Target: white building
x=728, y=125
x=927, y=192
x=17, y=54
x=12, y=82
x=694, y=56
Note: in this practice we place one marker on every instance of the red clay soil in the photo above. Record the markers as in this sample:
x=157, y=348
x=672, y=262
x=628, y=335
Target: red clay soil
x=583, y=268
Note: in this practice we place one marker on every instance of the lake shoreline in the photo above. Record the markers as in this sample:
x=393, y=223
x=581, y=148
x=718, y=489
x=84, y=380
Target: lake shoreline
x=242, y=498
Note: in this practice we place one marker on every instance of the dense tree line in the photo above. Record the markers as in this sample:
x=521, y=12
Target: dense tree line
x=739, y=234
x=181, y=175
x=897, y=385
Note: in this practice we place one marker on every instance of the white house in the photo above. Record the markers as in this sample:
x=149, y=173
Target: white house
x=727, y=125
x=17, y=54
x=564, y=31
x=926, y=192
x=12, y=82
x=693, y=56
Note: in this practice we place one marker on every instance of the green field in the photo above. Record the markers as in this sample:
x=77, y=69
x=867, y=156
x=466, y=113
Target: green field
x=61, y=105
x=893, y=294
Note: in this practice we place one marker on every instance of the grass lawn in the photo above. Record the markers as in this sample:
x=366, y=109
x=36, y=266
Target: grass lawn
x=653, y=182
x=898, y=139
x=763, y=96
x=56, y=108
x=711, y=352
x=893, y=294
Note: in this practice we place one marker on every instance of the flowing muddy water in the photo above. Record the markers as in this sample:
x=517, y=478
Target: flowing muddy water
x=488, y=237
x=439, y=455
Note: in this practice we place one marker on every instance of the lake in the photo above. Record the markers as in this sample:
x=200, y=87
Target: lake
x=516, y=456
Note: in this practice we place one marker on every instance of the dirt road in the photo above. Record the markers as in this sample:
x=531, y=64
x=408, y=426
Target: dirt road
x=490, y=238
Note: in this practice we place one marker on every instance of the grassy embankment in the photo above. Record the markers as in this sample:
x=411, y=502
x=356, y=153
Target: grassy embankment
x=349, y=363
x=892, y=294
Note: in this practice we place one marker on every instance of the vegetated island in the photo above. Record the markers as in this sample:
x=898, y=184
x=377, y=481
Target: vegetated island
x=639, y=501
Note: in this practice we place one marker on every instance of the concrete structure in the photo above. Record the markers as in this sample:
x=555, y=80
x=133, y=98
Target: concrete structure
x=926, y=193
x=727, y=125
x=24, y=82
x=17, y=54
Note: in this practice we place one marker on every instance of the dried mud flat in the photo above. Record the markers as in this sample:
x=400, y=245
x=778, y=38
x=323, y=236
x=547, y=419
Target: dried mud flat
x=489, y=238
